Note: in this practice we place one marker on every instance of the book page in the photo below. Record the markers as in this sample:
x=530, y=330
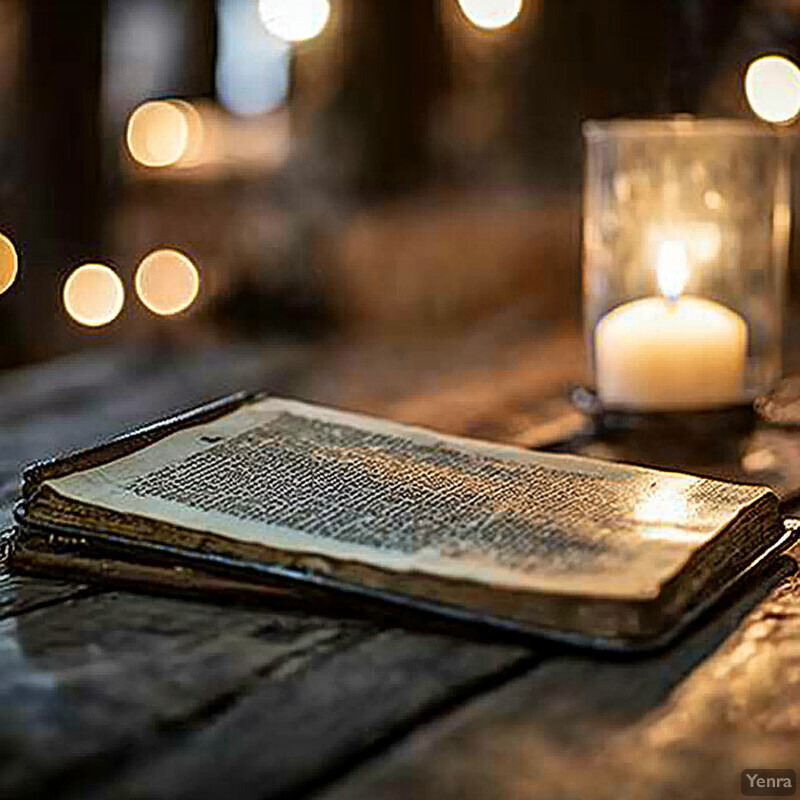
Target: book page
x=343, y=486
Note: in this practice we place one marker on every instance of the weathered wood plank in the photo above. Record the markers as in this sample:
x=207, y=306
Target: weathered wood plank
x=20, y=594
x=86, y=683
x=296, y=733
x=683, y=724
x=123, y=695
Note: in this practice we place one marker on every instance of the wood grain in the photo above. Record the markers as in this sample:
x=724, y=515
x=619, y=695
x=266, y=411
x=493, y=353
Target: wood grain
x=304, y=729
x=683, y=724
x=187, y=699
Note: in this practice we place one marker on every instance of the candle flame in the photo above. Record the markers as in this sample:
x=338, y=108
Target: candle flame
x=673, y=268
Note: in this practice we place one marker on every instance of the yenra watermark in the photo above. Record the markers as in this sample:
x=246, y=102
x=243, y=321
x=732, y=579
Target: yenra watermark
x=769, y=782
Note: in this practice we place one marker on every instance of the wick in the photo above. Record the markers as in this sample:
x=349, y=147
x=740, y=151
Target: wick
x=672, y=301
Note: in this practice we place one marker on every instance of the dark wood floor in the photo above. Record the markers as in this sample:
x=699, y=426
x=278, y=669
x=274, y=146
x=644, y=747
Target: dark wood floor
x=109, y=694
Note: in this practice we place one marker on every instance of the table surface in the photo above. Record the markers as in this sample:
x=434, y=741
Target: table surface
x=110, y=694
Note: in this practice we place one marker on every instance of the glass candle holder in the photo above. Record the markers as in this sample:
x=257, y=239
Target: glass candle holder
x=686, y=231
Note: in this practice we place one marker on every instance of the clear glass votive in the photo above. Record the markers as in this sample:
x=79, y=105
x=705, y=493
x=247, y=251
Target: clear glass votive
x=685, y=244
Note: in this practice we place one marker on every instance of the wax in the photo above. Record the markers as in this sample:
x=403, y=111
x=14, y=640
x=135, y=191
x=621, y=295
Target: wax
x=662, y=354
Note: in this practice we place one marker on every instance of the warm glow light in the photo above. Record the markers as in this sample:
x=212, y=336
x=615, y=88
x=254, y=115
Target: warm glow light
x=93, y=295
x=294, y=20
x=158, y=133
x=677, y=248
x=8, y=263
x=192, y=153
x=167, y=282
x=491, y=14
x=673, y=268
x=772, y=86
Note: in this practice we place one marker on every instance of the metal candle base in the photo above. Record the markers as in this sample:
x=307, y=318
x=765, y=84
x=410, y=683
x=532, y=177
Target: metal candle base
x=728, y=420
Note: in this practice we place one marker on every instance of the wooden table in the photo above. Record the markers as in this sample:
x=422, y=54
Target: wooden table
x=109, y=694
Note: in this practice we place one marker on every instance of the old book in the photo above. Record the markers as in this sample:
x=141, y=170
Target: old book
x=264, y=495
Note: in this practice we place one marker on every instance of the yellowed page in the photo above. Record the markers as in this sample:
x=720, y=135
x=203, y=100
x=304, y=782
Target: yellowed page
x=347, y=487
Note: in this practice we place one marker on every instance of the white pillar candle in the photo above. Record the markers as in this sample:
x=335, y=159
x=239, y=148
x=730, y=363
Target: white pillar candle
x=671, y=352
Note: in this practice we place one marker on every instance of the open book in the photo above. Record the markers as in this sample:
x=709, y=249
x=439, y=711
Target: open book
x=254, y=493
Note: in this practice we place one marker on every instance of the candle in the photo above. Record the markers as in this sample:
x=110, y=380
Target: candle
x=670, y=352
x=683, y=286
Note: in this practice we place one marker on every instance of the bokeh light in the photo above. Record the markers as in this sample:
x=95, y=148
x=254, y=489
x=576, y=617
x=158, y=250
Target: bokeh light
x=772, y=86
x=158, y=133
x=491, y=14
x=294, y=20
x=192, y=154
x=9, y=263
x=93, y=295
x=252, y=65
x=167, y=282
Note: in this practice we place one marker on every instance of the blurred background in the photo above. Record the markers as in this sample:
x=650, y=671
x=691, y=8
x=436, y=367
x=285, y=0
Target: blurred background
x=368, y=170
